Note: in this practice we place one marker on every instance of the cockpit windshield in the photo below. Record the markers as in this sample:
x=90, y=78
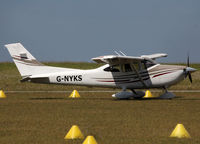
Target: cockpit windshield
x=148, y=63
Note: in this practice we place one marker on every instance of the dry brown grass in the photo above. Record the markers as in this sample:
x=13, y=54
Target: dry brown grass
x=47, y=117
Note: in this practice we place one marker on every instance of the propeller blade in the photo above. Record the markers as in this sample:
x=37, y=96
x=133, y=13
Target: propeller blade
x=190, y=77
x=188, y=69
x=188, y=61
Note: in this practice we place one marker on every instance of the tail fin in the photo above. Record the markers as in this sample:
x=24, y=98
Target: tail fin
x=26, y=63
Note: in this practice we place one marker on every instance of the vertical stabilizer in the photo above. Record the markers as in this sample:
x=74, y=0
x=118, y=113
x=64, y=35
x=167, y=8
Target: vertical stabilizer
x=27, y=64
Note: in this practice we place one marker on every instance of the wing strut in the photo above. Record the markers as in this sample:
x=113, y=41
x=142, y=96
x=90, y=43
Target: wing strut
x=139, y=76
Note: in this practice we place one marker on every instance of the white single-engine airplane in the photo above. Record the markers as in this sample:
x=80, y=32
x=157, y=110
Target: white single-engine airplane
x=119, y=71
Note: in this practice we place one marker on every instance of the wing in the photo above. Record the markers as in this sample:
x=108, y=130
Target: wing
x=154, y=56
x=114, y=59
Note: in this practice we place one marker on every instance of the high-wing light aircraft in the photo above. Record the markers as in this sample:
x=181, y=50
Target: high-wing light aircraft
x=119, y=71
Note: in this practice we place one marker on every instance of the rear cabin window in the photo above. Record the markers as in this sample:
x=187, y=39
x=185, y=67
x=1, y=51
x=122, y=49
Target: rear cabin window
x=115, y=68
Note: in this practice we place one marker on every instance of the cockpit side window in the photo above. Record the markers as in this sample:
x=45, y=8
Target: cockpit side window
x=127, y=68
x=142, y=66
x=135, y=65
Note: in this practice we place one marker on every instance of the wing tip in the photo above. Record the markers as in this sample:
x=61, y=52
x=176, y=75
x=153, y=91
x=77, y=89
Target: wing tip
x=12, y=44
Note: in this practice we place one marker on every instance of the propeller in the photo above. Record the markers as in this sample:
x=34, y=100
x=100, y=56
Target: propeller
x=188, y=70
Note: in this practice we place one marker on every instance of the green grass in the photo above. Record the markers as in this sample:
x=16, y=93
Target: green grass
x=46, y=117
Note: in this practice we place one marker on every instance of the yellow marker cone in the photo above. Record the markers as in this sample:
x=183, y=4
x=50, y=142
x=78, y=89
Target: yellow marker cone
x=90, y=140
x=74, y=133
x=2, y=94
x=148, y=94
x=74, y=94
x=180, y=132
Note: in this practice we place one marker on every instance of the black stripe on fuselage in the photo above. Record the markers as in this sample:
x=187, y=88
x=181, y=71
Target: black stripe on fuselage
x=124, y=81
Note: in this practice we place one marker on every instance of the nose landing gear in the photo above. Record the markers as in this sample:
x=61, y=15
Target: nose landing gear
x=167, y=95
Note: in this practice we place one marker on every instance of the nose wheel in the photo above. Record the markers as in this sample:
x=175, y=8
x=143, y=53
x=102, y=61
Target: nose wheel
x=167, y=94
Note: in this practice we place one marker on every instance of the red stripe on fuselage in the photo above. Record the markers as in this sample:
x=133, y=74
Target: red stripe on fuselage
x=161, y=74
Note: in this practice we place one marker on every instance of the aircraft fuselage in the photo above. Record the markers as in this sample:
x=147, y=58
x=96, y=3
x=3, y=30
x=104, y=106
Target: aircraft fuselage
x=155, y=77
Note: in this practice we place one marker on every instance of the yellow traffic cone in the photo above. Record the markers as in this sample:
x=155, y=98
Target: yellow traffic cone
x=2, y=94
x=74, y=94
x=74, y=133
x=90, y=140
x=180, y=132
x=148, y=94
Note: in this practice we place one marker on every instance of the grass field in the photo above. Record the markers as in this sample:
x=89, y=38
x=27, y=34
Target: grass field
x=46, y=117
